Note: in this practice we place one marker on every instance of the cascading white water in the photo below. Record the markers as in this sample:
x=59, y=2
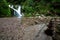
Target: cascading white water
x=17, y=11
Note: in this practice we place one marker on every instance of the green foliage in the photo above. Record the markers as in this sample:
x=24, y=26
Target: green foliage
x=15, y=1
x=34, y=7
x=4, y=9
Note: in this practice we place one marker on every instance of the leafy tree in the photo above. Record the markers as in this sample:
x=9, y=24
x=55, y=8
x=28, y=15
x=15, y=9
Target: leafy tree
x=4, y=9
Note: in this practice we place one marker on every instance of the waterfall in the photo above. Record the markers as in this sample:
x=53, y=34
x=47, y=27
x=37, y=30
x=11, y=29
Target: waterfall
x=17, y=12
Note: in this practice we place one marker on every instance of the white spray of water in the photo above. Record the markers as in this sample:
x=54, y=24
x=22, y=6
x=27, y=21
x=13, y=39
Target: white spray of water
x=16, y=11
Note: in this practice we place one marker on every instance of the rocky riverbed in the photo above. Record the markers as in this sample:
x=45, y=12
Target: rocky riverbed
x=22, y=29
